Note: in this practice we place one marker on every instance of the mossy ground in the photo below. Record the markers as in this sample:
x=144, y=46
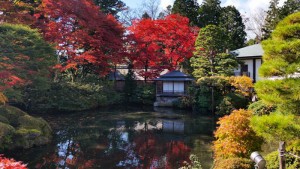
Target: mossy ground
x=18, y=129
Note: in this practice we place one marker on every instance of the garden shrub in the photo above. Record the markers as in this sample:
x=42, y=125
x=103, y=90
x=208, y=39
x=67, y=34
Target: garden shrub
x=130, y=87
x=234, y=137
x=202, y=92
x=233, y=163
x=260, y=108
x=185, y=102
x=230, y=102
x=3, y=119
x=194, y=164
x=74, y=96
x=229, y=93
x=145, y=94
x=225, y=107
x=11, y=114
x=242, y=85
x=6, y=133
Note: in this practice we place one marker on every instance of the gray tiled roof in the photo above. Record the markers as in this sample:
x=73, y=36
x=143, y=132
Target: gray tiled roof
x=175, y=75
x=249, y=51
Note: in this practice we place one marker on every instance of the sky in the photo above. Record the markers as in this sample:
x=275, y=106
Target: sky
x=246, y=7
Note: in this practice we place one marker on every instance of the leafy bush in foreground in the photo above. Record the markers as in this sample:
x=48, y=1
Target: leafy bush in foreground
x=234, y=137
x=233, y=163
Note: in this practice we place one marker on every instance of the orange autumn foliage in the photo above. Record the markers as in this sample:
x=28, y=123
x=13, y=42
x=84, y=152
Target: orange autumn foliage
x=234, y=137
x=3, y=98
x=243, y=84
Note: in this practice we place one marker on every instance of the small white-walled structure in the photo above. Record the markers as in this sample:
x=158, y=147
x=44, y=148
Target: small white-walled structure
x=252, y=58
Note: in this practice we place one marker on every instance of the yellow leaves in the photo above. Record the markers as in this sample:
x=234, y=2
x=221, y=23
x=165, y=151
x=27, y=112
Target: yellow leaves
x=3, y=98
x=243, y=84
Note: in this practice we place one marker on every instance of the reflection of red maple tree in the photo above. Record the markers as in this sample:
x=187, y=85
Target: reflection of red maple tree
x=177, y=153
x=149, y=148
x=152, y=150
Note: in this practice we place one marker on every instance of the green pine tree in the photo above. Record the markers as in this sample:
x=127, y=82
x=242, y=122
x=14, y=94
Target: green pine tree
x=187, y=8
x=110, y=6
x=282, y=58
x=209, y=13
x=289, y=7
x=272, y=19
x=130, y=86
x=210, y=58
x=232, y=24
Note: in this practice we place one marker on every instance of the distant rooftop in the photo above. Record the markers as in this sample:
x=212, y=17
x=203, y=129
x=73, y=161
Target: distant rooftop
x=116, y=76
x=174, y=76
x=249, y=51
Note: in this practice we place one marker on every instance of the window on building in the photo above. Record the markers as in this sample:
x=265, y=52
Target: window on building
x=173, y=87
x=168, y=87
x=178, y=87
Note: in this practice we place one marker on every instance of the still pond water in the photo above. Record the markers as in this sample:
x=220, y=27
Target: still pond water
x=161, y=138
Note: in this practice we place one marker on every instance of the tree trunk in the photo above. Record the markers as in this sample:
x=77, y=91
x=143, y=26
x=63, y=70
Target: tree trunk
x=281, y=151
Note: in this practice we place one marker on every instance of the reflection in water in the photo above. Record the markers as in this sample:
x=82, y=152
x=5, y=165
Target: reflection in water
x=173, y=126
x=134, y=140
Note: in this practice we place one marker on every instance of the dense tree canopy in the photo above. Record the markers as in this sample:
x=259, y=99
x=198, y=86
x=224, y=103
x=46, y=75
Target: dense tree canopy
x=232, y=24
x=24, y=56
x=289, y=7
x=110, y=6
x=282, y=59
x=210, y=58
x=187, y=8
x=162, y=43
x=209, y=13
x=87, y=40
x=276, y=13
x=17, y=11
x=228, y=18
x=272, y=19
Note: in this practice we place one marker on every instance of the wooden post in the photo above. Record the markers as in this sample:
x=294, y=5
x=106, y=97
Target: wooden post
x=212, y=101
x=281, y=151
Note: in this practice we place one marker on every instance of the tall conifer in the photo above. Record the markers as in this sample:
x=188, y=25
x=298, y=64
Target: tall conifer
x=187, y=8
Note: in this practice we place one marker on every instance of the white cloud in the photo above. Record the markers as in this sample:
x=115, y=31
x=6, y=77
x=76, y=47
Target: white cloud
x=249, y=6
x=165, y=3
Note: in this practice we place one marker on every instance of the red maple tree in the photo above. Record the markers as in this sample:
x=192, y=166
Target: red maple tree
x=177, y=40
x=16, y=12
x=143, y=50
x=87, y=40
x=158, y=44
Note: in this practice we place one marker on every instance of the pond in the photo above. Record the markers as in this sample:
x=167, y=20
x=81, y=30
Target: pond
x=161, y=138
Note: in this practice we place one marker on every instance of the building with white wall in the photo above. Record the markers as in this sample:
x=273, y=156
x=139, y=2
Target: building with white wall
x=251, y=56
